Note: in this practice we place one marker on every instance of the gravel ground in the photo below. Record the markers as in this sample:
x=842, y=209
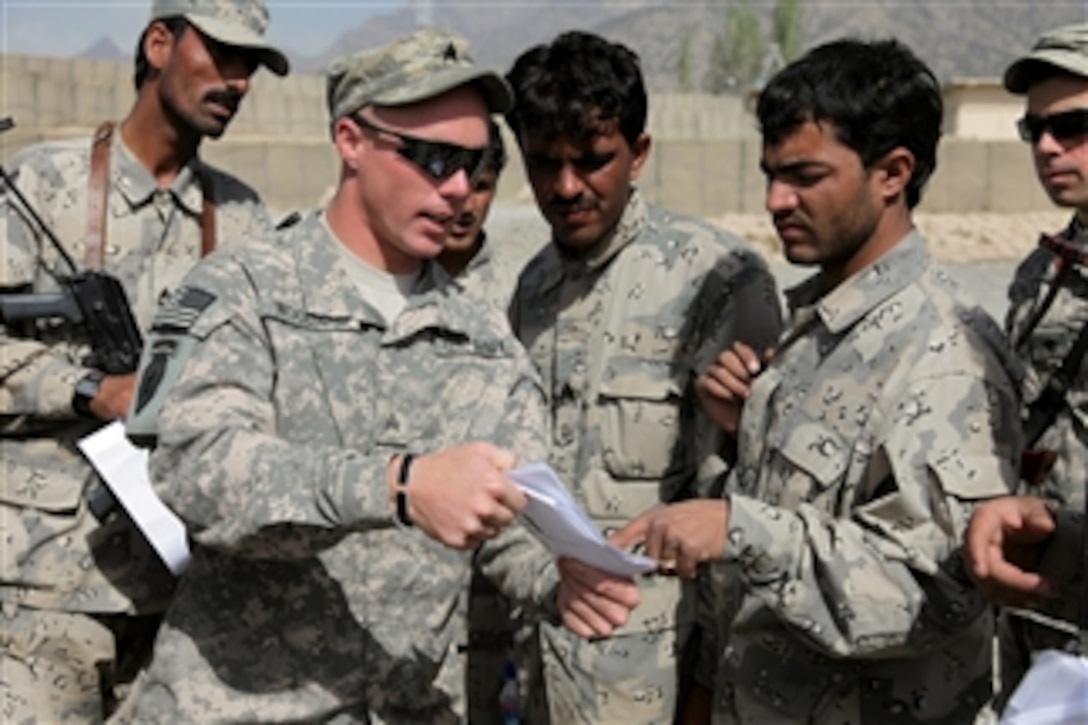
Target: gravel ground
x=982, y=249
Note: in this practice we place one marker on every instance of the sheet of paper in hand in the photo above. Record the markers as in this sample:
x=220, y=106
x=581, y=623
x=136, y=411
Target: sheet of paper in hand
x=123, y=468
x=1054, y=691
x=556, y=519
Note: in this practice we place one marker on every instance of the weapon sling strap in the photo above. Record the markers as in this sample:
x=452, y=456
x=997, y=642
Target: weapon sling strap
x=98, y=187
x=1044, y=409
x=1066, y=266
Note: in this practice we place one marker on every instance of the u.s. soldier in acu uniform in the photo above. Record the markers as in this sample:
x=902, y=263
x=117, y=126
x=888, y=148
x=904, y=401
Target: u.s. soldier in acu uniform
x=618, y=313
x=889, y=408
x=80, y=600
x=286, y=387
x=1048, y=307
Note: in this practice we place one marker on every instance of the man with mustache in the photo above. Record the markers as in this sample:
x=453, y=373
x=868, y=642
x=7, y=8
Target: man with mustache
x=619, y=312
x=82, y=593
x=1048, y=307
x=888, y=409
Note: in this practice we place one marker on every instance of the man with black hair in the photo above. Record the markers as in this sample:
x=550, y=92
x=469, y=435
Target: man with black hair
x=82, y=597
x=887, y=410
x=619, y=312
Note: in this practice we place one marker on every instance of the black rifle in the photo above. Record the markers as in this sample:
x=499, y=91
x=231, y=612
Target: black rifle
x=90, y=298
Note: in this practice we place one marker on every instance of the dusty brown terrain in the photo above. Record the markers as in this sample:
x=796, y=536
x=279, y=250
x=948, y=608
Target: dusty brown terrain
x=954, y=238
x=977, y=237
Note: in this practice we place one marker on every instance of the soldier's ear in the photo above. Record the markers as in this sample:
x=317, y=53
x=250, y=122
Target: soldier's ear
x=893, y=172
x=347, y=137
x=158, y=45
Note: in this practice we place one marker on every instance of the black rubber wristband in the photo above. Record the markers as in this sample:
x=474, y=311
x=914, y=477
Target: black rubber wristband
x=402, y=488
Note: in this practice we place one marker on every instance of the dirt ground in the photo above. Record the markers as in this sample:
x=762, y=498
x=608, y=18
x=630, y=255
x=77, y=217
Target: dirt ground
x=960, y=238
x=953, y=238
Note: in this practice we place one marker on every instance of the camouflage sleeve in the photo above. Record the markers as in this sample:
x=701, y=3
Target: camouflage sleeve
x=515, y=561
x=36, y=378
x=886, y=580
x=219, y=462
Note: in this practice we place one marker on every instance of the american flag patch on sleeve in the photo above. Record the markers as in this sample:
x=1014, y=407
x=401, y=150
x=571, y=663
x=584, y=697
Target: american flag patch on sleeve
x=179, y=311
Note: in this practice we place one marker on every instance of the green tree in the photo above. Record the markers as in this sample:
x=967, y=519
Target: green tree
x=683, y=61
x=787, y=29
x=736, y=56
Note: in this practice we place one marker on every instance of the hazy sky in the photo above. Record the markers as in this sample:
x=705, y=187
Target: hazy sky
x=67, y=27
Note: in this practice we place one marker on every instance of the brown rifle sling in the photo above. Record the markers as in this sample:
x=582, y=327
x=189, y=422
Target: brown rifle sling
x=98, y=187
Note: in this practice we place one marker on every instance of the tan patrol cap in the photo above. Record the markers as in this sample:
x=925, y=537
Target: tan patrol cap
x=239, y=23
x=412, y=68
x=1064, y=48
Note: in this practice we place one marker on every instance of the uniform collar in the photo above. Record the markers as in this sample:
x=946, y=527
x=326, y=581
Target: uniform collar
x=484, y=255
x=138, y=186
x=557, y=264
x=328, y=291
x=856, y=296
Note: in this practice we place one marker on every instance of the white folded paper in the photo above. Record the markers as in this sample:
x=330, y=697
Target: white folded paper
x=123, y=467
x=1054, y=691
x=556, y=519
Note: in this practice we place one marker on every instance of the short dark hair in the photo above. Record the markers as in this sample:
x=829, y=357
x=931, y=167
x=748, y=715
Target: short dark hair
x=876, y=96
x=176, y=25
x=565, y=88
x=495, y=156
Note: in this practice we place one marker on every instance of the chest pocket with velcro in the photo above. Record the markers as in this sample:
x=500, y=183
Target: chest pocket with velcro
x=639, y=420
x=811, y=461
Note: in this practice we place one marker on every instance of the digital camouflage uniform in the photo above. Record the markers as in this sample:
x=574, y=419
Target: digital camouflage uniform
x=283, y=396
x=618, y=335
x=889, y=409
x=67, y=581
x=1043, y=352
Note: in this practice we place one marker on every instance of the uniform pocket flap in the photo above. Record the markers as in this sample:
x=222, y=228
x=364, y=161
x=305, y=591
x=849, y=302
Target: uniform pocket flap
x=971, y=476
x=641, y=379
x=817, y=450
x=35, y=477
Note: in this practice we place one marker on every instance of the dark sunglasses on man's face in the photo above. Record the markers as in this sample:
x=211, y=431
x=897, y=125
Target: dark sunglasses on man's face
x=437, y=159
x=1064, y=126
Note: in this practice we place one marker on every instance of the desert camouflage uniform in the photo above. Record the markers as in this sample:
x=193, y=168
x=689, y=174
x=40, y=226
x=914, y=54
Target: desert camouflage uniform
x=618, y=335
x=67, y=581
x=1043, y=352
x=890, y=407
x=283, y=396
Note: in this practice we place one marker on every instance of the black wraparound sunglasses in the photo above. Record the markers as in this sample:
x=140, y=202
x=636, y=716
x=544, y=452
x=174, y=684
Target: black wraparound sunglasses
x=1064, y=126
x=437, y=159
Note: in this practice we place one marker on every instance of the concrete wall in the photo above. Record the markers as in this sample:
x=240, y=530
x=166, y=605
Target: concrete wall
x=705, y=158
x=981, y=109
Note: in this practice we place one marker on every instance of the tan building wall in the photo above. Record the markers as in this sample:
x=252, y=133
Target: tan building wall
x=705, y=158
x=981, y=108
